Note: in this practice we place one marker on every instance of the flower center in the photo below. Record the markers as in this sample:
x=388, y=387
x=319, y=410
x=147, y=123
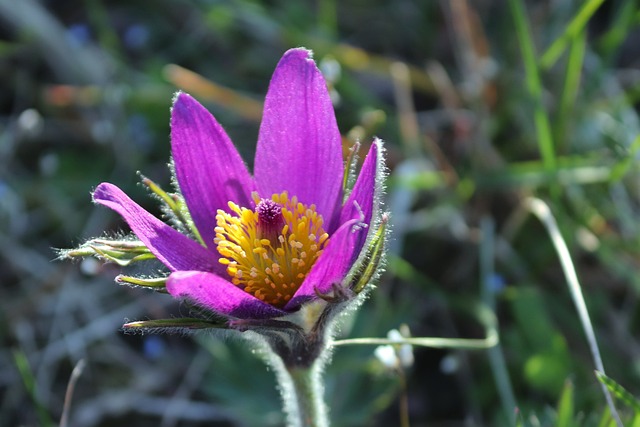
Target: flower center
x=270, y=250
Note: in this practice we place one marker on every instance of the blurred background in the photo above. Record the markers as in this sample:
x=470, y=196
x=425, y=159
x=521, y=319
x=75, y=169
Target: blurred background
x=482, y=104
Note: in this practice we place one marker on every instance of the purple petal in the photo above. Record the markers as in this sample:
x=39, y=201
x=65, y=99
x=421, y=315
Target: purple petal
x=362, y=197
x=214, y=293
x=209, y=170
x=299, y=147
x=172, y=248
x=333, y=265
x=346, y=243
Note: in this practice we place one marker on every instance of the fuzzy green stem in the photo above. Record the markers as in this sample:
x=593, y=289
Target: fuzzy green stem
x=305, y=407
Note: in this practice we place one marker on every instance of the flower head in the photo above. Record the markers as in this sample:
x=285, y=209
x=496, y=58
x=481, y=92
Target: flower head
x=260, y=246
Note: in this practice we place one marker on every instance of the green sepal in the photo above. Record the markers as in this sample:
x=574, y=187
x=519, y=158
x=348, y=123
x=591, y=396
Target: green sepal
x=178, y=325
x=123, y=259
x=158, y=284
x=122, y=252
x=133, y=246
x=349, y=176
x=175, y=205
x=372, y=259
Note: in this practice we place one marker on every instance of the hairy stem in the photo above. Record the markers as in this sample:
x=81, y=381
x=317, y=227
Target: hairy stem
x=300, y=385
x=305, y=399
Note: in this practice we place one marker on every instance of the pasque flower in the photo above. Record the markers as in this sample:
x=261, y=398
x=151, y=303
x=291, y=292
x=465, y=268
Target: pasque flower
x=261, y=246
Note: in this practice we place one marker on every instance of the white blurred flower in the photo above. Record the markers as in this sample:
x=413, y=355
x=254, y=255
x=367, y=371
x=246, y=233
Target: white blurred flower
x=386, y=354
x=398, y=355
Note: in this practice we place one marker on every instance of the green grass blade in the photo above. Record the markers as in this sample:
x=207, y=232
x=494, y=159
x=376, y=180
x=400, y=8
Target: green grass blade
x=534, y=84
x=565, y=406
x=619, y=392
x=431, y=342
x=610, y=42
x=483, y=314
x=542, y=211
x=572, y=30
x=621, y=168
x=496, y=356
x=21, y=362
x=570, y=87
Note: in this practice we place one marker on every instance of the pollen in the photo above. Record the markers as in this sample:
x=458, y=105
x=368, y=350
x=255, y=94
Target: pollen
x=270, y=250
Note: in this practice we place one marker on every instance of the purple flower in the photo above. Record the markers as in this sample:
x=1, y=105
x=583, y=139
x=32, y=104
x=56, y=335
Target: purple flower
x=265, y=243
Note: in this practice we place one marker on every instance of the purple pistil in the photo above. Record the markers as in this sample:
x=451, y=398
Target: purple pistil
x=270, y=219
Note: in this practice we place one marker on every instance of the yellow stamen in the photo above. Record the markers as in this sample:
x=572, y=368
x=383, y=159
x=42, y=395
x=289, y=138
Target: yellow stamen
x=270, y=251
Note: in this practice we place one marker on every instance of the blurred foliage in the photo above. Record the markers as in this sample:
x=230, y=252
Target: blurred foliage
x=481, y=103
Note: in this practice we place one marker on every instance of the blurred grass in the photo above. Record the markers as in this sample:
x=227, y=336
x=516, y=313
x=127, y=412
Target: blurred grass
x=534, y=84
x=29, y=383
x=482, y=105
